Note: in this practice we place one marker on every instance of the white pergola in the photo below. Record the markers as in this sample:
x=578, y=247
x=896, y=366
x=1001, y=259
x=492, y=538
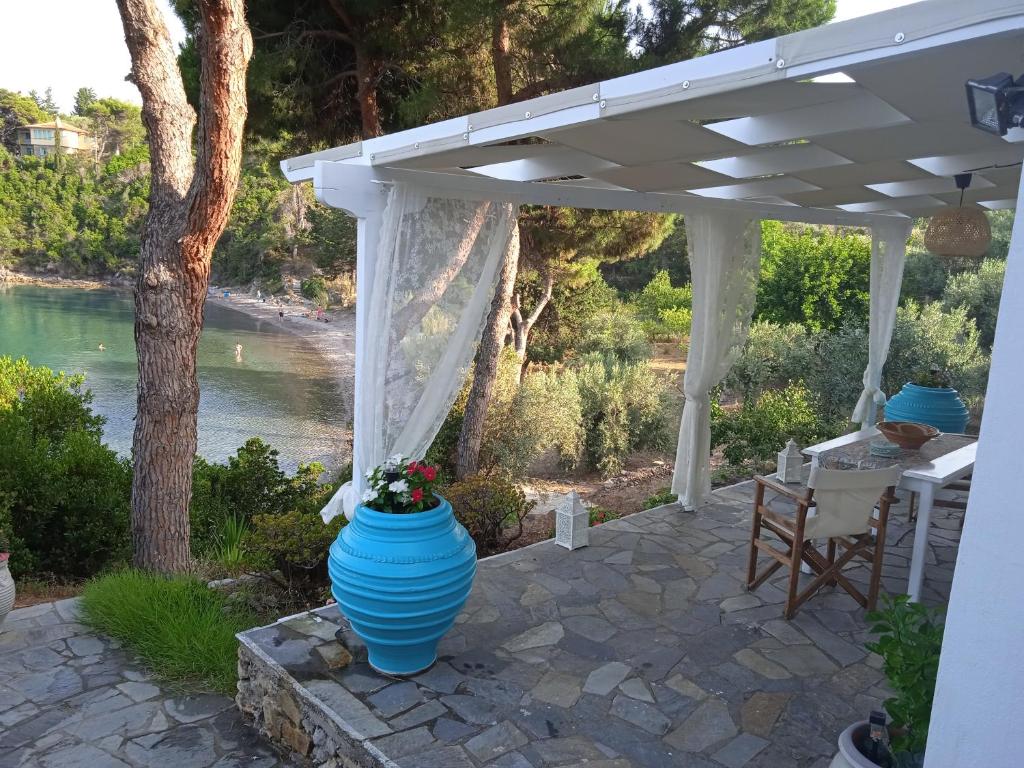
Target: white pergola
x=860, y=123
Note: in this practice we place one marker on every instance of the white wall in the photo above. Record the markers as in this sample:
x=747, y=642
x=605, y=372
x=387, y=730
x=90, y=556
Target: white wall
x=979, y=699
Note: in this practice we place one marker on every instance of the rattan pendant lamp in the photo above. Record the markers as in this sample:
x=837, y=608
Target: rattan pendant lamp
x=959, y=233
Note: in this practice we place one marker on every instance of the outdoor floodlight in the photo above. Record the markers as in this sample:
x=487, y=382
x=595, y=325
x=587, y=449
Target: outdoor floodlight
x=996, y=103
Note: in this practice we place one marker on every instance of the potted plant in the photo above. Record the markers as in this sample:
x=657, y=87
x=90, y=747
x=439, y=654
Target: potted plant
x=909, y=642
x=929, y=399
x=403, y=568
x=6, y=580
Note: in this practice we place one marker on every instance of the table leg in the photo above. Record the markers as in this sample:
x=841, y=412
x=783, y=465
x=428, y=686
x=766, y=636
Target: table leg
x=924, y=514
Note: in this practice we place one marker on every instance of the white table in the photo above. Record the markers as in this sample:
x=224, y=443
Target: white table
x=923, y=479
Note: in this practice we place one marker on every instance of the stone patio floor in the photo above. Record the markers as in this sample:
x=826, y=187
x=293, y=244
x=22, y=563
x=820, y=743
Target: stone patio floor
x=642, y=649
x=72, y=699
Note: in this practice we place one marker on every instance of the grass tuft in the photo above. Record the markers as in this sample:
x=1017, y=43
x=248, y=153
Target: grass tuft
x=183, y=630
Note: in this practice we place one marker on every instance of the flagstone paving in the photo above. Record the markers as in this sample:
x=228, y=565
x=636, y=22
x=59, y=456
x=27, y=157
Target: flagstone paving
x=640, y=650
x=71, y=699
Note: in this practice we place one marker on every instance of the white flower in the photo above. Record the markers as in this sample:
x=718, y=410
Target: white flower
x=369, y=473
x=399, y=486
x=369, y=495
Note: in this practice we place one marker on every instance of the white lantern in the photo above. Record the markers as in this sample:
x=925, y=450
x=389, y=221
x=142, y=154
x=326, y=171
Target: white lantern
x=572, y=522
x=791, y=463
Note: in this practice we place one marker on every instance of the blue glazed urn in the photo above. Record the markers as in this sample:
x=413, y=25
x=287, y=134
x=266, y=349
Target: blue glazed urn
x=400, y=580
x=941, y=407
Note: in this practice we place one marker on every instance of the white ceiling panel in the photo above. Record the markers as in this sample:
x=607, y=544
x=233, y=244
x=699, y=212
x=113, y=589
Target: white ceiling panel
x=891, y=204
x=863, y=173
x=927, y=186
x=999, y=205
x=947, y=165
x=779, y=185
x=863, y=111
x=900, y=142
x=794, y=157
x=835, y=196
x=471, y=156
x=664, y=176
x=641, y=142
x=551, y=165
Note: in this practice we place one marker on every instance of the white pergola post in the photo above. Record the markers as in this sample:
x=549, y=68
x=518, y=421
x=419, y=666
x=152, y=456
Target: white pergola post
x=888, y=253
x=979, y=697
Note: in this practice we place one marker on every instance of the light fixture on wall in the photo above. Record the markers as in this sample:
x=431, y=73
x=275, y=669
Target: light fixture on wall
x=996, y=103
x=959, y=233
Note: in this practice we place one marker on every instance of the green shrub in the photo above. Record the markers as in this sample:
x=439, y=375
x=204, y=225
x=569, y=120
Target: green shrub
x=623, y=407
x=180, y=628
x=616, y=333
x=909, y=642
x=923, y=336
x=315, y=289
x=773, y=356
x=816, y=276
x=66, y=494
x=759, y=429
x=549, y=414
x=924, y=277
x=492, y=509
x=251, y=483
x=564, y=322
x=978, y=291
x=662, y=497
x=665, y=309
x=597, y=515
x=296, y=543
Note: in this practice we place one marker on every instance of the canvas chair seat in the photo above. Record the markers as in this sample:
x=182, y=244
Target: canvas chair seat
x=845, y=500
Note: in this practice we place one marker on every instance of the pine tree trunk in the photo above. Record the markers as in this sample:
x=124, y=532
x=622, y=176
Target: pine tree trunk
x=367, y=72
x=189, y=204
x=501, y=42
x=488, y=357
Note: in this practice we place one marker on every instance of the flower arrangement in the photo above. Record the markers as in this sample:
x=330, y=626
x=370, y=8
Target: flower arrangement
x=401, y=486
x=933, y=377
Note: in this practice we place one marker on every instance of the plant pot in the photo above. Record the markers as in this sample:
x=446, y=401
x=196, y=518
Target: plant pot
x=6, y=590
x=401, y=580
x=940, y=407
x=849, y=756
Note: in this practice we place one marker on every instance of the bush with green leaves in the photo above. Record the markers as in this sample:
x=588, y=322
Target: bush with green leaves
x=759, y=428
x=492, y=509
x=924, y=277
x=250, y=483
x=315, y=289
x=296, y=543
x=665, y=309
x=774, y=355
x=66, y=495
x=616, y=333
x=816, y=276
x=624, y=409
x=978, y=291
x=909, y=642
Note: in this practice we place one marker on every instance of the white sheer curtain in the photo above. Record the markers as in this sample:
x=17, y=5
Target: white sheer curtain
x=888, y=251
x=725, y=260
x=433, y=277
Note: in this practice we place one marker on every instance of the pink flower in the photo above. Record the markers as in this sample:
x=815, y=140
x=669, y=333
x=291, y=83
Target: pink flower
x=417, y=495
x=429, y=473
x=413, y=466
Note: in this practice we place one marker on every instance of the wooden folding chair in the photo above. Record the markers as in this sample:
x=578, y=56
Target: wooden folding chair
x=843, y=504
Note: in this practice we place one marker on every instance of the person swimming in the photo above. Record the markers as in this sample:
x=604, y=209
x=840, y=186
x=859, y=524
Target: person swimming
x=238, y=352
x=102, y=347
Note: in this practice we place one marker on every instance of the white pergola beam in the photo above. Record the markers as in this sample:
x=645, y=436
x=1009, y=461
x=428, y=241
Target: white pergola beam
x=342, y=185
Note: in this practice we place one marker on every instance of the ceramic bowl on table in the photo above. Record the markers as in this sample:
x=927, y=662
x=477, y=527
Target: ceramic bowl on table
x=907, y=434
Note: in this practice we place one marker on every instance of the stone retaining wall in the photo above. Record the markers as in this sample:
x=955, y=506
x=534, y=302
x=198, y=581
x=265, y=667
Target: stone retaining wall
x=288, y=714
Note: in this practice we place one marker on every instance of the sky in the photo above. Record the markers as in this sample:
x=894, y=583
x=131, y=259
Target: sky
x=82, y=44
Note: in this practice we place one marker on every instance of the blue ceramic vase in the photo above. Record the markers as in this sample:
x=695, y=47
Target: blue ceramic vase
x=941, y=407
x=400, y=580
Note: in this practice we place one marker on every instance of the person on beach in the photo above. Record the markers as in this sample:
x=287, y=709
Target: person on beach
x=280, y=313
x=238, y=353
x=259, y=295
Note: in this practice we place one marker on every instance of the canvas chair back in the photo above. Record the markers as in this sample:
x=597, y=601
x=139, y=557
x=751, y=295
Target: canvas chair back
x=846, y=499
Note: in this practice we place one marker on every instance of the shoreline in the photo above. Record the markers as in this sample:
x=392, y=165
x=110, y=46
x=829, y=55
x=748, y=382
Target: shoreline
x=333, y=342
